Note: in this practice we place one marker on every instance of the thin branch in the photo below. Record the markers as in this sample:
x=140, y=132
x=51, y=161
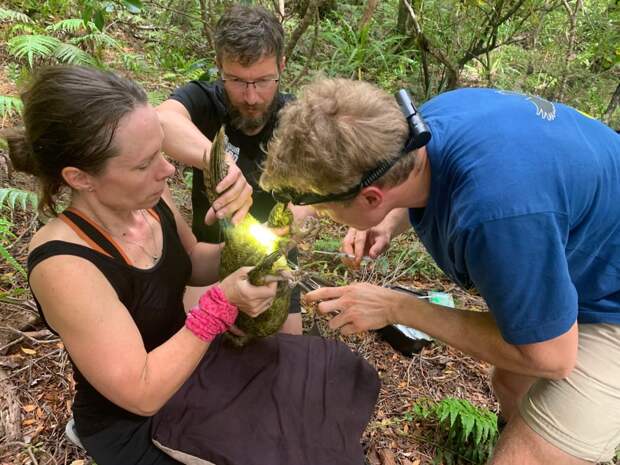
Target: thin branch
x=371, y=6
x=572, y=18
x=313, y=5
x=174, y=10
x=613, y=104
x=310, y=55
x=426, y=46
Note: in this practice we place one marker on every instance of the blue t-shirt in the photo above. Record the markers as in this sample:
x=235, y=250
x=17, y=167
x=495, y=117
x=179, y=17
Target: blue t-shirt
x=525, y=207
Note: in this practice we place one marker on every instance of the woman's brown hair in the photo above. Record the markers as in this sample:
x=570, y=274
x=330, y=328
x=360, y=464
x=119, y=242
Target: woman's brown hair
x=70, y=116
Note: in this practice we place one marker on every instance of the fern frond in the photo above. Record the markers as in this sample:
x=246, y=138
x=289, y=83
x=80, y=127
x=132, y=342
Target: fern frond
x=22, y=28
x=10, y=106
x=33, y=46
x=71, y=25
x=68, y=53
x=4, y=253
x=14, y=16
x=12, y=196
x=157, y=96
x=6, y=237
x=98, y=38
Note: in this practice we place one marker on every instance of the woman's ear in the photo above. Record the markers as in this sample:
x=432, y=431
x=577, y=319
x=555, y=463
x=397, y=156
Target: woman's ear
x=77, y=179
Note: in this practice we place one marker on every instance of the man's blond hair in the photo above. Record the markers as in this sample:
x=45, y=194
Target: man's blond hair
x=334, y=133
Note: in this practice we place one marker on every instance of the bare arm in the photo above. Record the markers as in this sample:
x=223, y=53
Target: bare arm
x=396, y=222
x=364, y=306
x=104, y=342
x=183, y=141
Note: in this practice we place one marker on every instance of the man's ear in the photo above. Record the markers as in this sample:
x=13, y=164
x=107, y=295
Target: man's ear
x=372, y=196
x=282, y=64
x=77, y=179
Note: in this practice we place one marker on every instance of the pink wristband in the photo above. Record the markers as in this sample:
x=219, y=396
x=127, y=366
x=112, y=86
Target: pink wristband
x=212, y=316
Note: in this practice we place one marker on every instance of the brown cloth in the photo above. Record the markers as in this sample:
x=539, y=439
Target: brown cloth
x=284, y=400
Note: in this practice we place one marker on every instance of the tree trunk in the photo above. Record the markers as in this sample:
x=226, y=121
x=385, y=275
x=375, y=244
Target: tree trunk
x=206, y=29
x=371, y=6
x=613, y=105
x=402, y=24
x=308, y=15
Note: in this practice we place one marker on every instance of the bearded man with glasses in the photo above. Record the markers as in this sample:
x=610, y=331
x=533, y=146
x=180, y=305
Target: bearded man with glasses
x=249, y=43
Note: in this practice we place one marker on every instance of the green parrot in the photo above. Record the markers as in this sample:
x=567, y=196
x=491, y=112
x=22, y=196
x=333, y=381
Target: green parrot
x=250, y=243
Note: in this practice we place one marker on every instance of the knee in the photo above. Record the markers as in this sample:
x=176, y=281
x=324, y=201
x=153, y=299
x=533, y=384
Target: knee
x=501, y=382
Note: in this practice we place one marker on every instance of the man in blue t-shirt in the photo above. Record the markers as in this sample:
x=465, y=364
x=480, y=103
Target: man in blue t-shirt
x=515, y=196
x=249, y=43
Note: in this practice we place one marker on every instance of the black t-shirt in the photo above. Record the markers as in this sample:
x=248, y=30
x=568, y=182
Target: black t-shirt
x=206, y=104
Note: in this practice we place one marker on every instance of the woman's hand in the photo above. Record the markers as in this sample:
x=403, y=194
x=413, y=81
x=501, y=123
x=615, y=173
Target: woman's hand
x=371, y=242
x=249, y=299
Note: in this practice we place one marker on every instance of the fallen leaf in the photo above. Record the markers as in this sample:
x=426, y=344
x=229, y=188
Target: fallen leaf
x=387, y=457
x=77, y=462
x=29, y=408
x=373, y=458
x=28, y=351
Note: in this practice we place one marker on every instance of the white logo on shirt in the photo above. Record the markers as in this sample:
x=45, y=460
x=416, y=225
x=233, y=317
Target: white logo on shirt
x=234, y=151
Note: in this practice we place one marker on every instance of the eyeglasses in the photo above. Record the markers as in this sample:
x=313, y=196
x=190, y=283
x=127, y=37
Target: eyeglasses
x=370, y=177
x=240, y=85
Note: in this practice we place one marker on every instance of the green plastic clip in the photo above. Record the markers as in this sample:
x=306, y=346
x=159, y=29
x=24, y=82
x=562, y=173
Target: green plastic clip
x=441, y=298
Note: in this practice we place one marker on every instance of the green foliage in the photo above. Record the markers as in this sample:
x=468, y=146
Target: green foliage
x=39, y=47
x=157, y=96
x=6, y=238
x=71, y=25
x=373, y=52
x=98, y=39
x=12, y=197
x=188, y=177
x=464, y=433
x=14, y=16
x=68, y=53
x=329, y=244
x=33, y=46
x=10, y=106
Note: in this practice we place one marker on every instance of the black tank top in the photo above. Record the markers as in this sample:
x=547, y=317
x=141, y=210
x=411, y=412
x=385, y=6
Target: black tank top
x=153, y=297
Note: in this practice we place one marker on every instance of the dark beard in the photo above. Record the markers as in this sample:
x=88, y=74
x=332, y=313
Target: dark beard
x=250, y=125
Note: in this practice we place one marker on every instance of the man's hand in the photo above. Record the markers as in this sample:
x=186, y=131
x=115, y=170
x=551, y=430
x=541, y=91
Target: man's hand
x=235, y=199
x=358, y=307
x=372, y=242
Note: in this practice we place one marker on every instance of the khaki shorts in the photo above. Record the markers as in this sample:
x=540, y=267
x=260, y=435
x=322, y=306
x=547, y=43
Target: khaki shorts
x=581, y=414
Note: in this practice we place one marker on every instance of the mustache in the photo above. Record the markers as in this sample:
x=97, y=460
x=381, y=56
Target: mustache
x=242, y=122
